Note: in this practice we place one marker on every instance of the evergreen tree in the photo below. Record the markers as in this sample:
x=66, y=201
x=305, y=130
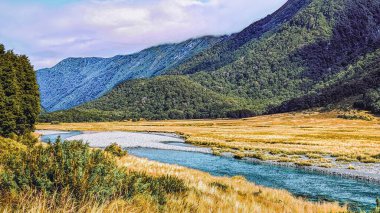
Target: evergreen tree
x=19, y=96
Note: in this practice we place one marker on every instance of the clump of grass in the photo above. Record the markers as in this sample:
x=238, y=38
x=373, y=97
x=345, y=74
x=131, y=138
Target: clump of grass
x=239, y=156
x=313, y=156
x=345, y=159
x=219, y=185
x=116, y=150
x=356, y=115
x=366, y=159
x=216, y=152
x=325, y=165
x=257, y=155
x=351, y=167
x=303, y=163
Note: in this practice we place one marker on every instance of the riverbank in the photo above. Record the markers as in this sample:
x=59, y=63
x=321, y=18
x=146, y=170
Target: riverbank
x=166, y=141
x=312, y=185
x=222, y=194
x=365, y=172
x=312, y=140
x=216, y=194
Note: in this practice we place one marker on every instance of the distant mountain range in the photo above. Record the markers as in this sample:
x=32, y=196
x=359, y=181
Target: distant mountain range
x=309, y=53
x=75, y=81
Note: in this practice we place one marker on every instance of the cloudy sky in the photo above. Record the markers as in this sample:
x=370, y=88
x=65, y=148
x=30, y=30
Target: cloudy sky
x=51, y=30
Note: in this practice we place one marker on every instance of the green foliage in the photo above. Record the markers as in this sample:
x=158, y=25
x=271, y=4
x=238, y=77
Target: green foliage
x=307, y=54
x=10, y=149
x=85, y=173
x=166, y=97
x=116, y=150
x=19, y=95
x=356, y=116
x=371, y=100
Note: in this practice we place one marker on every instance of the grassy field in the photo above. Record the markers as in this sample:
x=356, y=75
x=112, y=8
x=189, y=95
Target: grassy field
x=301, y=138
x=200, y=192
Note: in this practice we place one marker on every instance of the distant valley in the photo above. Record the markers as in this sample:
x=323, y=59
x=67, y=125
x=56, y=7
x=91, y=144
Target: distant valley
x=309, y=53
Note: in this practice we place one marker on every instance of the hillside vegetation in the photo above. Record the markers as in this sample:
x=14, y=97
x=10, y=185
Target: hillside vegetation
x=75, y=81
x=308, y=53
x=166, y=97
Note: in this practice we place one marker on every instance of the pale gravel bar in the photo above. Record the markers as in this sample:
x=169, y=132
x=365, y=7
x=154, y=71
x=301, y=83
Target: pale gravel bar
x=136, y=140
x=50, y=132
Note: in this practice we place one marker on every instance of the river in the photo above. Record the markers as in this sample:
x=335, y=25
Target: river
x=312, y=185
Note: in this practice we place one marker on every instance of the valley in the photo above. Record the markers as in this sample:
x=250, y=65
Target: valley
x=304, y=139
x=281, y=115
x=312, y=172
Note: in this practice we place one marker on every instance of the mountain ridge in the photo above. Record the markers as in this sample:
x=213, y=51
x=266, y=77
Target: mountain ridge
x=74, y=81
x=324, y=43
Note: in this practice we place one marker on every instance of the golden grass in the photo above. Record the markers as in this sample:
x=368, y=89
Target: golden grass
x=206, y=194
x=239, y=196
x=272, y=136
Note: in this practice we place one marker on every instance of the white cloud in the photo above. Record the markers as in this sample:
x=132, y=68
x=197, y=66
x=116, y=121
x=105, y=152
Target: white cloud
x=108, y=27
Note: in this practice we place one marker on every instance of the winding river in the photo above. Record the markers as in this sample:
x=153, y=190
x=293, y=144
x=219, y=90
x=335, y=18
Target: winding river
x=171, y=149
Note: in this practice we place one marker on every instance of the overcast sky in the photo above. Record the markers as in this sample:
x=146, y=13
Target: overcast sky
x=51, y=30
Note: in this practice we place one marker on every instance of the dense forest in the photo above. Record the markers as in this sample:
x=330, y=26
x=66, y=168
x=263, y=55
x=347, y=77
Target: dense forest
x=19, y=95
x=165, y=97
x=309, y=53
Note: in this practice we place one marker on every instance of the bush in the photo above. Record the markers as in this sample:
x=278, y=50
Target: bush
x=356, y=116
x=116, y=150
x=10, y=149
x=85, y=173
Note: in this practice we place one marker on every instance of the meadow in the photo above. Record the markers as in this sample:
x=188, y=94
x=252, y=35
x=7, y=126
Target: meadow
x=72, y=177
x=305, y=139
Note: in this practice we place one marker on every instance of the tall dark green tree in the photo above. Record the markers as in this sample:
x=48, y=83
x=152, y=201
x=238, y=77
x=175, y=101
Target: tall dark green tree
x=19, y=96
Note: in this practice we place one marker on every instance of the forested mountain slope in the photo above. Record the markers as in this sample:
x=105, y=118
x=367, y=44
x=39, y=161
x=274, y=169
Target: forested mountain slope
x=306, y=54
x=164, y=97
x=75, y=81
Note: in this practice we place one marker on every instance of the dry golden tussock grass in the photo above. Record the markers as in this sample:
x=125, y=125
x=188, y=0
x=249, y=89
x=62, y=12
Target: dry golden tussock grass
x=271, y=135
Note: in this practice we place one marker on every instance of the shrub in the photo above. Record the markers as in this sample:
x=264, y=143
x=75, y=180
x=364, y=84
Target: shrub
x=356, y=116
x=72, y=167
x=116, y=150
x=10, y=149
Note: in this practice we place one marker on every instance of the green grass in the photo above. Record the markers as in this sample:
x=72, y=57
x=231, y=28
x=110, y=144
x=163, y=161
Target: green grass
x=87, y=174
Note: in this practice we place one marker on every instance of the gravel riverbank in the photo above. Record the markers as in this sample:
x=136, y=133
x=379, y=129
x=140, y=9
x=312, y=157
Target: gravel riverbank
x=138, y=140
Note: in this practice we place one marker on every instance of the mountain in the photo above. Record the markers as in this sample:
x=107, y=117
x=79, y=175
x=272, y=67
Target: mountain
x=74, y=81
x=308, y=53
